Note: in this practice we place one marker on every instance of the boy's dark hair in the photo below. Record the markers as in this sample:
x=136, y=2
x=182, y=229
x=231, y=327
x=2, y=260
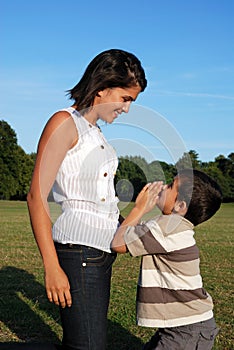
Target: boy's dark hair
x=201, y=193
x=109, y=69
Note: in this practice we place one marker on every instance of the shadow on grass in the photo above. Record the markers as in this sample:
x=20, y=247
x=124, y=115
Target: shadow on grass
x=22, y=298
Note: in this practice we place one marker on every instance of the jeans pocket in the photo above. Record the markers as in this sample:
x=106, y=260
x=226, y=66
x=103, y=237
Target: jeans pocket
x=93, y=257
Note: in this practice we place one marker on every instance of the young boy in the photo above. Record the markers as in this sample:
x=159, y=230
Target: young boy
x=170, y=294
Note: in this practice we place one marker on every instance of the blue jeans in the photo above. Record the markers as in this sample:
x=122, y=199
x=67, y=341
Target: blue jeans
x=89, y=273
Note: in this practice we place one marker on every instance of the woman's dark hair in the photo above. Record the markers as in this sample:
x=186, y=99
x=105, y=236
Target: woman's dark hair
x=201, y=193
x=109, y=69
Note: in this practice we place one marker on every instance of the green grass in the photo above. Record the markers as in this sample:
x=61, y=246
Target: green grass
x=27, y=316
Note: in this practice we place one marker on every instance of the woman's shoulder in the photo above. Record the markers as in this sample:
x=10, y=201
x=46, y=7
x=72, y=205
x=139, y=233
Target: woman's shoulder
x=61, y=122
x=58, y=118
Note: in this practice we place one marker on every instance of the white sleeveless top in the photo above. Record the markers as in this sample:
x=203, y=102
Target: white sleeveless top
x=84, y=187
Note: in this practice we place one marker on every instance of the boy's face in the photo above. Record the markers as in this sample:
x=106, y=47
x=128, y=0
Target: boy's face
x=168, y=196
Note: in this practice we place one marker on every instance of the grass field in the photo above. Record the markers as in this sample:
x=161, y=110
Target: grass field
x=27, y=316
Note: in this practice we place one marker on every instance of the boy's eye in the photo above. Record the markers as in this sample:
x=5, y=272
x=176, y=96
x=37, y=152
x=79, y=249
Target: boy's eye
x=170, y=185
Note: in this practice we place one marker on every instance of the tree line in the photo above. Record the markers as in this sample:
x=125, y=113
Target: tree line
x=133, y=172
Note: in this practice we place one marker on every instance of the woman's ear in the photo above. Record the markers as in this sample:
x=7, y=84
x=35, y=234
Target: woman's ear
x=180, y=207
x=102, y=93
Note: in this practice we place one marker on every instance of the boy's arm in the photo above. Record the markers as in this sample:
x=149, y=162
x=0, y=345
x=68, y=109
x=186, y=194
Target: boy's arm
x=145, y=202
x=118, y=244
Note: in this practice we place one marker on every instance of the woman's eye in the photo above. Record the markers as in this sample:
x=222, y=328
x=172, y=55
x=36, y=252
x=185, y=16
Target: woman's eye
x=127, y=99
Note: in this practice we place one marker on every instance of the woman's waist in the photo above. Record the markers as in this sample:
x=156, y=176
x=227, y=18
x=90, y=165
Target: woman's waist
x=101, y=207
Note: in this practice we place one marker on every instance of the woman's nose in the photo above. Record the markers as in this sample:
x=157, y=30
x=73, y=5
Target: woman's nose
x=126, y=106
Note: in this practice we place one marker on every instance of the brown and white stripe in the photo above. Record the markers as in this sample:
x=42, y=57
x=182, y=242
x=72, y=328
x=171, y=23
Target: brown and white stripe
x=170, y=290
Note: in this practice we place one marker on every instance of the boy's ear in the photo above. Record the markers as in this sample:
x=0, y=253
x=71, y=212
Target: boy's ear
x=100, y=93
x=180, y=207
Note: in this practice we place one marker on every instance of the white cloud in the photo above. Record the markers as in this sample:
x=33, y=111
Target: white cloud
x=195, y=94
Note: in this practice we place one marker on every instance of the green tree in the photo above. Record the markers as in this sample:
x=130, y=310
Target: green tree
x=226, y=167
x=7, y=181
x=140, y=163
x=129, y=179
x=26, y=165
x=9, y=166
x=16, y=166
x=188, y=160
x=133, y=173
x=161, y=171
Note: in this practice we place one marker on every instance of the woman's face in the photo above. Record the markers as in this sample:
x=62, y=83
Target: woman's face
x=110, y=103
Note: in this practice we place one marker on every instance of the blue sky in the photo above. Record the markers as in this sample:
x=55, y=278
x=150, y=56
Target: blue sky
x=186, y=48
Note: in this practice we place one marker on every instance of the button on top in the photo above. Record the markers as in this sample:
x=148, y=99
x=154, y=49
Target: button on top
x=90, y=125
x=105, y=174
x=102, y=146
x=103, y=199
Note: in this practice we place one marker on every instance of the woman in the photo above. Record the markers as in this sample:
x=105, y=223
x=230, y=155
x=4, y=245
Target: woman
x=75, y=159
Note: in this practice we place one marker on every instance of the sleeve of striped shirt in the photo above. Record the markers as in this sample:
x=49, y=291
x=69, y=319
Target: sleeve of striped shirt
x=149, y=238
x=140, y=241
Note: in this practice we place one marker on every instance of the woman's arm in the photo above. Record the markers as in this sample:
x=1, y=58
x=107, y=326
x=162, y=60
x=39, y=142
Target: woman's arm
x=58, y=136
x=145, y=202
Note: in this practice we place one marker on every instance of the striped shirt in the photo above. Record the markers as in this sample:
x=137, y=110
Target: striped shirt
x=170, y=291
x=84, y=187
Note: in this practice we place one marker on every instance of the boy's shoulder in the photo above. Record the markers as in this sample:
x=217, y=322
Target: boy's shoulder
x=170, y=224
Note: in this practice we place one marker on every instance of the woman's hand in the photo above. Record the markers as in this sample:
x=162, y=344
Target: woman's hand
x=147, y=198
x=57, y=287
